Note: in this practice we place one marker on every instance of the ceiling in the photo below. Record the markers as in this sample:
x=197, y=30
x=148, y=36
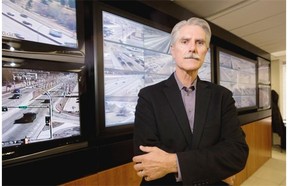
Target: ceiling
x=260, y=22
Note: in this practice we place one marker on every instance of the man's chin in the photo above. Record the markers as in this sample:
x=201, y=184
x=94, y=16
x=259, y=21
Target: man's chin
x=190, y=68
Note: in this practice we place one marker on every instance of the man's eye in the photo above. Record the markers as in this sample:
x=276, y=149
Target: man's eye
x=184, y=41
x=200, y=43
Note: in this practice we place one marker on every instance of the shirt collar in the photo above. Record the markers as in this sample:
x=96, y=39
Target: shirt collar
x=180, y=85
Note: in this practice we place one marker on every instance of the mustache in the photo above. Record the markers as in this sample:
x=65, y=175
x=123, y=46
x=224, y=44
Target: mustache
x=192, y=56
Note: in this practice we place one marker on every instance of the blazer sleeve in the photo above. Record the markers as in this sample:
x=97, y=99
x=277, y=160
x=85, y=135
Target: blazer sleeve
x=145, y=129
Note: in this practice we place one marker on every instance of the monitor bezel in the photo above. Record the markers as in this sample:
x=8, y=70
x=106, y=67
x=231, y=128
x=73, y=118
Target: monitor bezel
x=25, y=152
x=161, y=24
x=240, y=110
x=117, y=131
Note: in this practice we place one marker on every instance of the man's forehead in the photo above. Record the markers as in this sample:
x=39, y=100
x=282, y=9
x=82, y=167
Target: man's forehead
x=189, y=31
x=193, y=36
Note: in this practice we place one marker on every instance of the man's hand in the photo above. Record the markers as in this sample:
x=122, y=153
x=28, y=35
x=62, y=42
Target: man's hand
x=155, y=164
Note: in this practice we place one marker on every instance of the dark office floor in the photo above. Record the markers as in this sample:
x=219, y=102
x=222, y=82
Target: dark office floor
x=273, y=172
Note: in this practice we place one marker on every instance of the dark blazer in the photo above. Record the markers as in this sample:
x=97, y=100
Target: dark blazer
x=217, y=148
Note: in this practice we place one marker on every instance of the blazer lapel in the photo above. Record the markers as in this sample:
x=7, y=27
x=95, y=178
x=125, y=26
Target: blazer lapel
x=174, y=98
x=203, y=96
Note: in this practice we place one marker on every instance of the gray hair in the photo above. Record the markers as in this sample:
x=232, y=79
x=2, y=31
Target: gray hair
x=192, y=21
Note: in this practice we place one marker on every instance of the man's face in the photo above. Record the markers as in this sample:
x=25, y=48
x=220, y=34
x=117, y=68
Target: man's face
x=190, y=48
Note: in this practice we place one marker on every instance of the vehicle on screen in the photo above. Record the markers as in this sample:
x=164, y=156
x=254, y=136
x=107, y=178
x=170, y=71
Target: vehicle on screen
x=15, y=96
x=27, y=118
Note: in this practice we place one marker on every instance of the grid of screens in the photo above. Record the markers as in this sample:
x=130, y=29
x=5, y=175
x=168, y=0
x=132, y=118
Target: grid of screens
x=264, y=86
x=39, y=106
x=135, y=56
x=50, y=22
x=239, y=76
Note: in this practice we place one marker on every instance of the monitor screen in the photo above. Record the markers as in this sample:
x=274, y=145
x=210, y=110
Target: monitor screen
x=238, y=74
x=264, y=96
x=51, y=22
x=263, y=71
x=135, y=56
x=39, y=105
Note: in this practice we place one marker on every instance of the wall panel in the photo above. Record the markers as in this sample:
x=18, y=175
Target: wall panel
x=258, y=137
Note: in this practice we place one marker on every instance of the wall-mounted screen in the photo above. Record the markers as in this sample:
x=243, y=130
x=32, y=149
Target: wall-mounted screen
x=38, y=105
x=264, y=96
x=263, y=71
x=40, y=108
x=135, y=56
x=51, y=22
x=264, y=86
x=204, y=72
x=238, y=74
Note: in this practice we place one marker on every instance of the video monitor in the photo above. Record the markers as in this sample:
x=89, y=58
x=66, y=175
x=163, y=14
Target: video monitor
x=51, y=22
x=238, y=74
x=263, y=71
x=44, y=29
x=38, y=105
x=40, y=109
x=264, y=96
x=135, y=55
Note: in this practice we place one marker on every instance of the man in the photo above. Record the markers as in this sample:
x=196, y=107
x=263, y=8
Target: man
x=186, y=130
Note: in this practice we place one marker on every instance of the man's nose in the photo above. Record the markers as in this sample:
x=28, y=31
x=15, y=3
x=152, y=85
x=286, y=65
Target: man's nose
x=192, y=47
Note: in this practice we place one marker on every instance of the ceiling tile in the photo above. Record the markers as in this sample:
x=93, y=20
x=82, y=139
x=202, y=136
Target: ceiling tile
x=253, y=12
x=260, y=25
x=207, y=8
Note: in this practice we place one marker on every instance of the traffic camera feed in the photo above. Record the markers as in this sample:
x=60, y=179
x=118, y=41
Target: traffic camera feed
x=239, y=76
x=46, y=106
x=135, y=56
x=51, y=22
